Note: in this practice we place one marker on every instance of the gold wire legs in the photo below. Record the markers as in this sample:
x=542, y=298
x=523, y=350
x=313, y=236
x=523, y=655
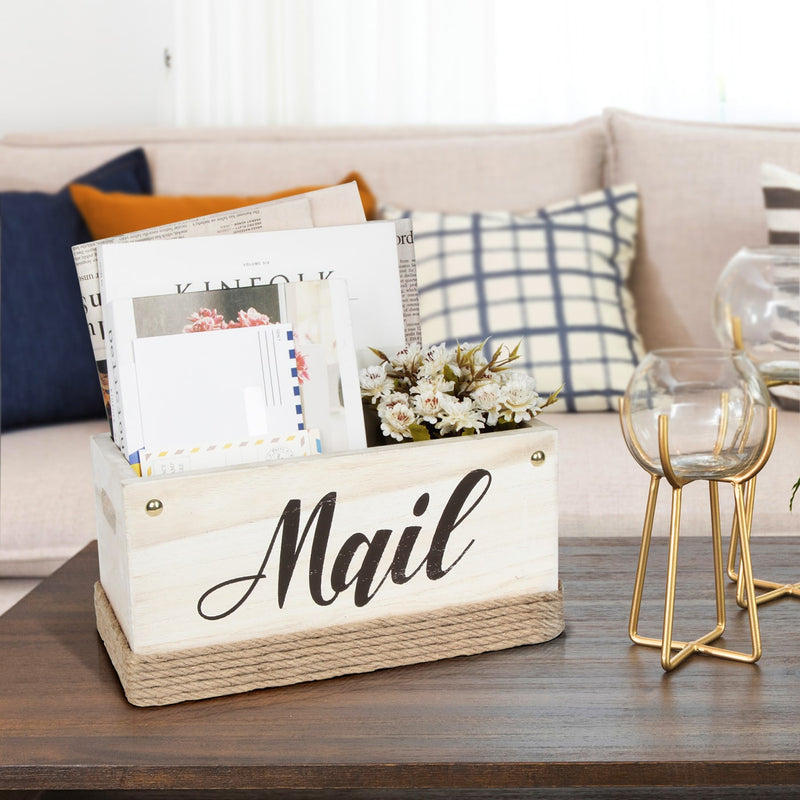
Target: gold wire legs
x=674, y=652
x=667, y=644
x=774, y=590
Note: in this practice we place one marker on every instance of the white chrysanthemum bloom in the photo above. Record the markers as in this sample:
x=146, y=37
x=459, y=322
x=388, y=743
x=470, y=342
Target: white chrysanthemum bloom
x=427, y=402
x=394, y=397
x=487, y=398
x=395, y=418
x=407, y=358
x=374, y=382
x=519, y=400
x=433, y=383
x=459, y=415
x=433, y=361
x=451, y=360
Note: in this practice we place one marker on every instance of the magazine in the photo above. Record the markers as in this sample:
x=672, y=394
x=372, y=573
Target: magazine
x=365, y=255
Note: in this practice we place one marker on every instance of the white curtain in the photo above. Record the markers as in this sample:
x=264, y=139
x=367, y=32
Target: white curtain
x=299, y=62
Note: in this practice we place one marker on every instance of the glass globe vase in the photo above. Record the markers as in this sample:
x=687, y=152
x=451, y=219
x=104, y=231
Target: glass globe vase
x=757, y=309
x=714, y=404
x=698, y=414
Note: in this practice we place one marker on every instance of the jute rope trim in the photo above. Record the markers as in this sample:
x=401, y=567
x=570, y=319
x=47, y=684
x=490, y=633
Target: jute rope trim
x=192, y=674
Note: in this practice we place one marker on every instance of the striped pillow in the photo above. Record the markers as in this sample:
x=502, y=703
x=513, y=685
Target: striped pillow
x=554, y=280
x=782, y=202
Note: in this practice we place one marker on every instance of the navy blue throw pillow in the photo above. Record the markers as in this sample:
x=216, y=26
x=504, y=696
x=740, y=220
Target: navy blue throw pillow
x=48, y=368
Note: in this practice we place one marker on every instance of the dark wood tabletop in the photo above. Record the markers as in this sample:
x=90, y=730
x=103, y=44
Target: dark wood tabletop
x=588, y=709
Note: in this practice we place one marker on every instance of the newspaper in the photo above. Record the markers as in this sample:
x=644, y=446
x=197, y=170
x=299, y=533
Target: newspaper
x=407, y=264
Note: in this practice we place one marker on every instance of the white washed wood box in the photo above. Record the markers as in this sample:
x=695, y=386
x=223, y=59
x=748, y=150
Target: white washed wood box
x=227, y=580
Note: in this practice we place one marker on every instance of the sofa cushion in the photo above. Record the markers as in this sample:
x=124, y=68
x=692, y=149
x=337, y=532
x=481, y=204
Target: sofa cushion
x=782, y=202
x=554, y=280
x=701, y=201
x=46, y=496
x=108, y=214
x=48, y=368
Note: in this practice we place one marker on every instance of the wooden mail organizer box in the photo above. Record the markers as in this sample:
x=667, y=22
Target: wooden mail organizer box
x=227, y=580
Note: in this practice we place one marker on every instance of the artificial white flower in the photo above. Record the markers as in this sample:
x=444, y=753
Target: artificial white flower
x=407, y=358
x=428, y=393
x=433, y=383
x=518, y=398
x=394, y=397
x=395, y=419
x=486, y=397
x=434, y=360
x=427, y=402
x=459, y=415
x=374, y=382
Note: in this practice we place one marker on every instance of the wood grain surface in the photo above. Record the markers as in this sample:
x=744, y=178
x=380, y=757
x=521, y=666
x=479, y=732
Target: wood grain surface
x=588, y=709
x=350, y=537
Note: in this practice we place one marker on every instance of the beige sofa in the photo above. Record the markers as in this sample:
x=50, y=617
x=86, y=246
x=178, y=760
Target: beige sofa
x=700, y=200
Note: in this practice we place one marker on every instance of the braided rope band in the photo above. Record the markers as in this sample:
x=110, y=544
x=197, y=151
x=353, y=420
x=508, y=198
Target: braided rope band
x=200, y=672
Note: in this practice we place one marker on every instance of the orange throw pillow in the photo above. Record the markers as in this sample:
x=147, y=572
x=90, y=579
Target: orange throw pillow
x=114, y=213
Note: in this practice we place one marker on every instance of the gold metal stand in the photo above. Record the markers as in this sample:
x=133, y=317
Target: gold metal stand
x=746, y=585
x=774, y=589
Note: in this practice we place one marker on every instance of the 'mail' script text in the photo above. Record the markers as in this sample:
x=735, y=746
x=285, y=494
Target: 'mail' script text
x=465, y=497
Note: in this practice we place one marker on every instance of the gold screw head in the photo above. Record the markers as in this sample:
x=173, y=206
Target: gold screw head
x=154, y=507
x=537, y=458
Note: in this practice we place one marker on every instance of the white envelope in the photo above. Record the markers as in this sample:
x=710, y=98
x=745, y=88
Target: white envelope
x=229, y=384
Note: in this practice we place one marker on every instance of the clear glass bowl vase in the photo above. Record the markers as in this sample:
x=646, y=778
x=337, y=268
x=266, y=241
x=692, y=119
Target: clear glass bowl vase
x=714, y=402
x=757, y=309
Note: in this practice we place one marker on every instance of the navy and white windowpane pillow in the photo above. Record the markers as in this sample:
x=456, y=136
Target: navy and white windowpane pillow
x=554, y=280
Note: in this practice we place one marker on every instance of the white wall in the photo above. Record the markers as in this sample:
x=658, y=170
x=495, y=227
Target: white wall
x=84, y=63
x=72, y=64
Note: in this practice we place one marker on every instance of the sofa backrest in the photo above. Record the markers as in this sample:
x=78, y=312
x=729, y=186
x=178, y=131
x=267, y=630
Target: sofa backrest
x=434, y=168
x=699, y=183
x=700, y=201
